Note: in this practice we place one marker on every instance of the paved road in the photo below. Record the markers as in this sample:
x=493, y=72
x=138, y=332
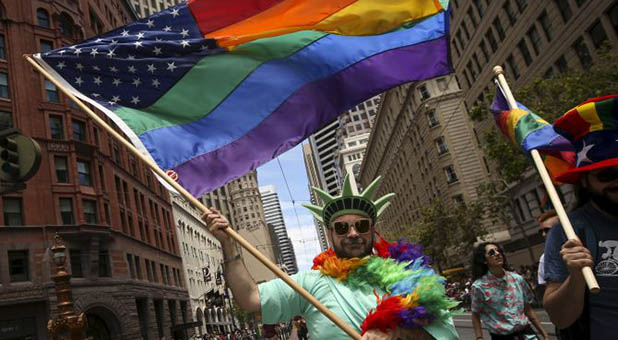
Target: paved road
x=463, y=323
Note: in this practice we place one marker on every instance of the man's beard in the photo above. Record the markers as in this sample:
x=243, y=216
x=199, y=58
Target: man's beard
x=603, y=201
x=342, y=253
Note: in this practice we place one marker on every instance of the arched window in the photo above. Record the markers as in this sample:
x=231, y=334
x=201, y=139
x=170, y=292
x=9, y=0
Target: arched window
x=42, y=18
x=66, y=24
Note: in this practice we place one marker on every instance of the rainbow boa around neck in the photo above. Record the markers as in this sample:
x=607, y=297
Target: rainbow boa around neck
x=415, y=294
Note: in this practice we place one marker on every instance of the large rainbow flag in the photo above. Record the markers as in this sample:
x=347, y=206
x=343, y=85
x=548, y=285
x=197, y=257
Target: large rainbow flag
x=212, y=89
x=527, y=131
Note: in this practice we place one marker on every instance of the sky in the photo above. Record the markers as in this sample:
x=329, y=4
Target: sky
x=301, y=229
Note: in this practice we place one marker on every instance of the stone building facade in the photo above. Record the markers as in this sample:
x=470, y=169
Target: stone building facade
x=202, y=264
x=425, y=148
x=114, y=216
x=531, y=40
x=313, y=179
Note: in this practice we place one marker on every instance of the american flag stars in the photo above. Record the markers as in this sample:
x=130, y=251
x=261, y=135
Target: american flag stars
x=136, y=64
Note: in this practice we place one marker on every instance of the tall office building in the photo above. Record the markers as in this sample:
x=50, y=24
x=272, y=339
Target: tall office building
x=274, y=217
x=352, y=136
x=530, y=39
x=239, y=201
x=314, y=181
x=424, y=147
x=202, y=262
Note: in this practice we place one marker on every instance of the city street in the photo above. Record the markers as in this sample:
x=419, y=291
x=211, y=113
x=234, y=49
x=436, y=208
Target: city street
x=463, y=323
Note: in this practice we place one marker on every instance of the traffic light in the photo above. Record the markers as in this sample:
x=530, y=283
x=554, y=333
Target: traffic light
x=9, y=157
x=20, y=156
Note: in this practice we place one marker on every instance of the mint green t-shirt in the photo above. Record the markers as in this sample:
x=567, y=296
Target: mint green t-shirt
x=280, y=303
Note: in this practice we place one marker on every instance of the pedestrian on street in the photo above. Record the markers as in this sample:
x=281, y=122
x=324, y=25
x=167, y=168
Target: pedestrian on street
x=348, y=277
x=501, y=299
x=592, y=128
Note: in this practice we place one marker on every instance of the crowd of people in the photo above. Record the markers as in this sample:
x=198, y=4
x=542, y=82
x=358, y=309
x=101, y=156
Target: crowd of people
x=389, y=290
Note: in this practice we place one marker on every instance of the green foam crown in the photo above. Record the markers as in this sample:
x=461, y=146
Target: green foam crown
x=349, y=204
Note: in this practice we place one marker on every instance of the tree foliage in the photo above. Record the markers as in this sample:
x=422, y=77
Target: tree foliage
x=549, y=98
x=447, y=230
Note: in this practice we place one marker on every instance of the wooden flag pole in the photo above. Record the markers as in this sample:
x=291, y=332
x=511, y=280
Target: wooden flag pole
x=197, y=204
x=591, y=281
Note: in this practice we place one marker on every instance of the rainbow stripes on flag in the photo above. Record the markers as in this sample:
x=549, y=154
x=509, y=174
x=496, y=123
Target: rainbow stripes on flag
x=527, y=131
x=213, y=89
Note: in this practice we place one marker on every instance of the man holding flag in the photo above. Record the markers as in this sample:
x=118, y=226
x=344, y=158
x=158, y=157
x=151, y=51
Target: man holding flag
x=592, y=128
x=354, y=278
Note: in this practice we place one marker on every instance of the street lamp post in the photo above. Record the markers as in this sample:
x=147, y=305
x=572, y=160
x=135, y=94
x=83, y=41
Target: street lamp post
x=67, y=326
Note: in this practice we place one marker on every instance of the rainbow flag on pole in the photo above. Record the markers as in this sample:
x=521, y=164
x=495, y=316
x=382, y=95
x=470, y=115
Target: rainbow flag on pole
x=527, y=131
x=212, y=89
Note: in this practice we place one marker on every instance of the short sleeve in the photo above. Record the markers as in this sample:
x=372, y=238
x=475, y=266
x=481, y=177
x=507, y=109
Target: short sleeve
x=477, y=298
x=555, y=268
x=541, y=272
x=526, y=289
x=280, y=303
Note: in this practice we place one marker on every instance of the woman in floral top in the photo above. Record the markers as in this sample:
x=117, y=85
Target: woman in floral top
x=500, y=298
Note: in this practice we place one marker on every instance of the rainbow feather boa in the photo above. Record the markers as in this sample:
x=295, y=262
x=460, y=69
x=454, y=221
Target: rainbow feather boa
x=415, y=293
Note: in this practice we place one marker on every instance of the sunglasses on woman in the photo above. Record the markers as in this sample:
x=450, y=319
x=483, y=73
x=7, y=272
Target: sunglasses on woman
x=361, y=226
x=493, y=252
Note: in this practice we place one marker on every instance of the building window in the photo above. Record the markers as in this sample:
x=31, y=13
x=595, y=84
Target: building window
x=451, y=175
x=66, y=211
x=79, y=130
x=66, y=25
x=597, y=34
x=4, y=85
x=6, y=120
x=2, y=48
x=12, y=211
x=104, y=264
x=498, y=26
x=424, y=92
x=547, y=27
x=510, y=12
x=535, y=39
x=46, y=46
x=75, y=256
x=479, y=7
x=565, y=9
x=441, y=145
x=525, y=53
x=613, y=16
x=84, y=174
x=484, y=51
x=18, y=265
x=561, y=64
x=582, y=53
x=131, y=266
x=432, y=118
x=580, y=2
x=90, y=211
x=489, y=35
x=471, y=17
x=521, y=5
x=51, y=91
x=56, y=128
x=471, y=70
x=42, y=18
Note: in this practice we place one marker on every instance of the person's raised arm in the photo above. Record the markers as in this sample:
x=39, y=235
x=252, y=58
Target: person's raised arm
x=564, y=301
x=237, y=277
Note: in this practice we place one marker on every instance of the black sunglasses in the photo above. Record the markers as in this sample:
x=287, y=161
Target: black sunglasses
x=493, y=252
x=361, y=226
x=607, y=175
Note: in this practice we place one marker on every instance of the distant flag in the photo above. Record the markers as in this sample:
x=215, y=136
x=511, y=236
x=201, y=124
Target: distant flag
x=527, y=131
x=213, y=89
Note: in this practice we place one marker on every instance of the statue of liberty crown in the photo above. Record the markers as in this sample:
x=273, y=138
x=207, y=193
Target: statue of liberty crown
x=350, y=204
